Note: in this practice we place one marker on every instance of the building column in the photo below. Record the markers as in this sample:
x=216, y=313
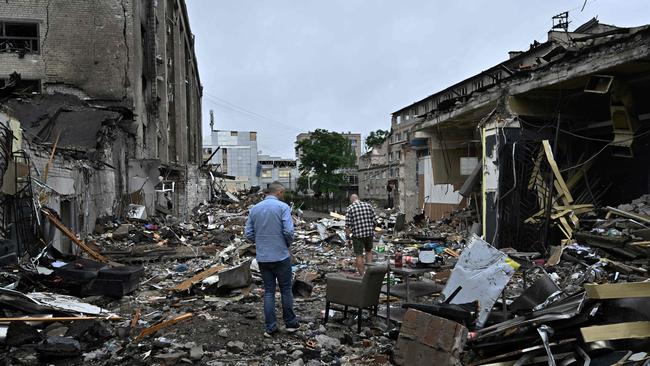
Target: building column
x=497, y=132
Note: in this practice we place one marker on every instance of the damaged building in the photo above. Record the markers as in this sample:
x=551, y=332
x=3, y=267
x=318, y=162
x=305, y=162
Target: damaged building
x=543, y=137
x=100, y=102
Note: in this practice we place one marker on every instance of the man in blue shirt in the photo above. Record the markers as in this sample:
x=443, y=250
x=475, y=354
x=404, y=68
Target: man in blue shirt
x=270, y=227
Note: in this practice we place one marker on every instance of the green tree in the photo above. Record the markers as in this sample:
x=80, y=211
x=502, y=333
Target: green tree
x=376, y=138
x=323, y=156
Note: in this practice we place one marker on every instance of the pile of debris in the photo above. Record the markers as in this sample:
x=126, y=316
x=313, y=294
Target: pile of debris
x=164, y=291
x=586, y=301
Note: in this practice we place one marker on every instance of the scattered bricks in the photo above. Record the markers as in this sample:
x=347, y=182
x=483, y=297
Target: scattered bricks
x=426, y=339
x=381, y=359
x=122, y=232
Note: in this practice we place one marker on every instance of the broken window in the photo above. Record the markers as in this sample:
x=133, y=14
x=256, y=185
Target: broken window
x=267, y=173
x=19, y=37
x=284, y=173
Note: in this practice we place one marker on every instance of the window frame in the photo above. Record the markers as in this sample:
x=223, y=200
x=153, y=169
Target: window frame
x=36, y=40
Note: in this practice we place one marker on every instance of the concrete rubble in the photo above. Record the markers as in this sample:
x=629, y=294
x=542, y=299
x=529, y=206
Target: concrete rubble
x=191, y=293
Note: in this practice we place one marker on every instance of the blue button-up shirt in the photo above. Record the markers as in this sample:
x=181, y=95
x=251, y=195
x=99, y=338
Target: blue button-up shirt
x=270, y=226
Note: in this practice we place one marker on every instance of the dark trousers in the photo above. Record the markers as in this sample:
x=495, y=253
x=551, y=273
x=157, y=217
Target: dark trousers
x=280, y=272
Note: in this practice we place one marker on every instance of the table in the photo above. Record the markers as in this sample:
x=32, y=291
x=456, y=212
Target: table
x=406, y=272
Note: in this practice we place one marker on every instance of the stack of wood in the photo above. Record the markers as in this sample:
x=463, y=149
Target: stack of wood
x=564, y=210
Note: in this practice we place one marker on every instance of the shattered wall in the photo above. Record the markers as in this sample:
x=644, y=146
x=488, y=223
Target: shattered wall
x=408, y=197
x=197, y=188
x=139, y=54
x=76, y=189
x=70, y=53
x=135, y=58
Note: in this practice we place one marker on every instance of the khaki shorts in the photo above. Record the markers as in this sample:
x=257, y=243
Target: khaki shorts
x=359, y=244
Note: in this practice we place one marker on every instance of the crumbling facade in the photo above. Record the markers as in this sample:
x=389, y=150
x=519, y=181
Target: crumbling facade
x=373, y=173
x=582, y=92
x=109, y=97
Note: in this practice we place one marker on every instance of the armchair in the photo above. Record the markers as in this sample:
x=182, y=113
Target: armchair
x=361, y=293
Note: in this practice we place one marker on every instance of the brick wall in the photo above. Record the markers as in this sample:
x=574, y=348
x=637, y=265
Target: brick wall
x=197, y=189
x=83, y=43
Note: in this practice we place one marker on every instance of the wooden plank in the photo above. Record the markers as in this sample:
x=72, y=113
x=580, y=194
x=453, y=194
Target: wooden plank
x=617, y=290
x=56, y=318
x=337, y=216
x=568, y=232
x=49, y=161
x=616, y=331
x=629, y=215
x=556, y=170
x=136, y=318
x=451, y=252
x=153, y=329
x=575, y=207
x=67, y=232
x=188, y=283
x=622, y=267
x=556, y=255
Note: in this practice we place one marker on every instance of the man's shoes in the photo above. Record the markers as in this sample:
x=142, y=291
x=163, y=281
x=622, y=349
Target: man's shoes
x=270, y=334
x=292, y=327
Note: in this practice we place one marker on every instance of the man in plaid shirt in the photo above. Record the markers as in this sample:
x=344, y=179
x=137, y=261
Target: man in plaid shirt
x=360, y=226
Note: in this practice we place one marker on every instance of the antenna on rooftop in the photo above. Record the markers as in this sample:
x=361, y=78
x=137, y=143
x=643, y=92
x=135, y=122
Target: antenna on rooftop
x=211, y=120
x=561, y=21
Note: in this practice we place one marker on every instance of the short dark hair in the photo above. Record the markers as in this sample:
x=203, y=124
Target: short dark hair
x=275, y=187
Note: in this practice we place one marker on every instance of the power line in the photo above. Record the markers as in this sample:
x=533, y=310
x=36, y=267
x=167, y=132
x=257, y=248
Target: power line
x=236, y=108
x=603, y=149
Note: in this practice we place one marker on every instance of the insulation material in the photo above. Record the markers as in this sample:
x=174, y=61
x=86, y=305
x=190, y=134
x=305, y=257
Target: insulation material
x=482, y=272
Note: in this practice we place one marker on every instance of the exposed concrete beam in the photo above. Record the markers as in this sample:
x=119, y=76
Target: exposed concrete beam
x=599, y=59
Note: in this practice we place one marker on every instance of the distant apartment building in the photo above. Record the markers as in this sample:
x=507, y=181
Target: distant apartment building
x=273, y=169
x=354, y=138
x=373, y=173
x=351, y=173
x=236, y=155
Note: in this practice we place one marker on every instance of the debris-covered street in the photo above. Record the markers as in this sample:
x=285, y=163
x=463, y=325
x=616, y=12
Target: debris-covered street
x=257, y=186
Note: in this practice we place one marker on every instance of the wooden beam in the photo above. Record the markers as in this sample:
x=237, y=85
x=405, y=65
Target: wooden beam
x=135, y=318
x=616, y=331
x=56, y=318
x=153, y=329
x=556, y=171
x=617, y=290
x=67, y=232
x=188, y=283
x=629, y=215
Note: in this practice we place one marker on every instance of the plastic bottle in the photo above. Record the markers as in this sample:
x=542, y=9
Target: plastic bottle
x=398, y=259
x=381, y=248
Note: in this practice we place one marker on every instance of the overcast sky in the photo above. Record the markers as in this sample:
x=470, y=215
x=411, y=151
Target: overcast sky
x=282, y=67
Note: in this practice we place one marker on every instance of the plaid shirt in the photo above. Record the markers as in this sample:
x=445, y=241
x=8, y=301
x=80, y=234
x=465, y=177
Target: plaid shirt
x=360, y=218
